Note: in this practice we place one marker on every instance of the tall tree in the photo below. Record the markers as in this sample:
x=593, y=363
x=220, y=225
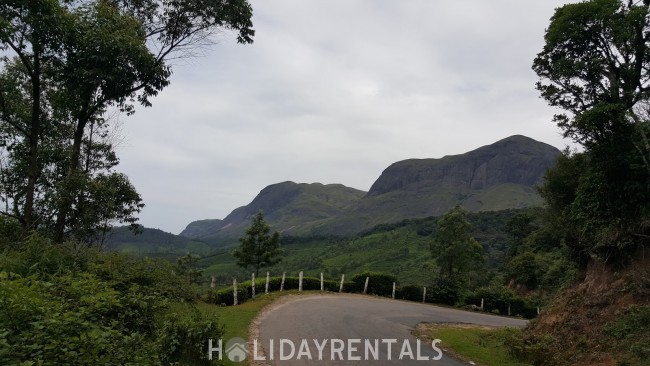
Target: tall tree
x=259, y=248
x=65, y=63
x=596, y=66
x=454, y=248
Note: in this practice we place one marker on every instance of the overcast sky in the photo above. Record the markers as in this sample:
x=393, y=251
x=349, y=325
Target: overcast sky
x=334, y=91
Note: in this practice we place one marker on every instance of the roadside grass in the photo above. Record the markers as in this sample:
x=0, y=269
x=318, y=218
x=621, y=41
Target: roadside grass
x=482, y=345
x=237, y=319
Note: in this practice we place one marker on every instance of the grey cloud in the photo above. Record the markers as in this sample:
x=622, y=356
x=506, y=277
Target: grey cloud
x=335, y=91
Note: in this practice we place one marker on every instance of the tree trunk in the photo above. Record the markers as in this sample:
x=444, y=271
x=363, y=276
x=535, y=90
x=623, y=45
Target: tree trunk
x=29, y=221
x=67, y=185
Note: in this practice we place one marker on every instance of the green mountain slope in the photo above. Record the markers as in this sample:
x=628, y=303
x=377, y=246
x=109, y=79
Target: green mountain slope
x=153, y=242
x=401, y=249
x=202, y=228
x=291, y=208
x=494, y=177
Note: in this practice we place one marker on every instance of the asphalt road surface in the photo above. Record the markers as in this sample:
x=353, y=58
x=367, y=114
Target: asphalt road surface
x=346, y=330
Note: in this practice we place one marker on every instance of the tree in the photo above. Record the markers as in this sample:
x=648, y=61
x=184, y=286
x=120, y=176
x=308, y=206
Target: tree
x=63, y=65
x=259, y=248
x=596, y=66
x=454, y=248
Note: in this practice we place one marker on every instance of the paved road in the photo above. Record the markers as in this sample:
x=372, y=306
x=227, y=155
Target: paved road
x=360, y=318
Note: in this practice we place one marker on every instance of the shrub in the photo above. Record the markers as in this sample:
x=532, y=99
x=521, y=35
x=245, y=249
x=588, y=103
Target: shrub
x=147, y=275
x=39, y=256
x=500, y=298
x=50, y=327
x=70, y=305
x=409, y=292
x=183, y=340
x=630, y=331
x=378, y=284
x=444, y=292
x=226, y=296
x=245, y=291
x=10, y=231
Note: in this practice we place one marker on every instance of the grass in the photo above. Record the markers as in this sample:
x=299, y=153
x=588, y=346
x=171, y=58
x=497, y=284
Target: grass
x=484, y=346
x=237, y=319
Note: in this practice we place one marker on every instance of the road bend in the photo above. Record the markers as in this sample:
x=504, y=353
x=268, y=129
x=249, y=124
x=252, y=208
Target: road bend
x=351, y=330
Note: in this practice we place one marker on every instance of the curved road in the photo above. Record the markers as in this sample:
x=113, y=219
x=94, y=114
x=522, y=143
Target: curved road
x=357, y=321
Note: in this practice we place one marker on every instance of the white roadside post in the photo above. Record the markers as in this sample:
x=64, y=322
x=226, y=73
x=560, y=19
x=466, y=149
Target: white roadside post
x=342, y=280
x=482, y=303
x=253, y=285
x=234, y=291
x=300, y=281
x=266, y=288
x=213, y=282
x=365, y=286
x=509, y=314
x=393, y=296
x=282, y=283
x=424, y=295
x=322, y=285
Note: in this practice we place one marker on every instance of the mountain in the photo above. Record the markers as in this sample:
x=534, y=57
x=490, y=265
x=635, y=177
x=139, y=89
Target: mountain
x=494, y=177
x=152, y=242
x=202, y=228
x=290, y=207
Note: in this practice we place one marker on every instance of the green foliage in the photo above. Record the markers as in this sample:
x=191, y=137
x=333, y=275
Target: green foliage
x=52, y=328
x=226, y=296
x=152, y=242
x=380, y=284
x=594, y=65
x=244, y=289
x=10, y=232
x=69, y=64
x=498, y=299
x=454, y=248
x=445, y=291
x=398, y=249
x=186, y=267
x=39, y=256
x=482, y=346
x=259, y=248
x=630, y=330
x=183, y=340
x=64, y=304
x=548, y=271
x=409, y=292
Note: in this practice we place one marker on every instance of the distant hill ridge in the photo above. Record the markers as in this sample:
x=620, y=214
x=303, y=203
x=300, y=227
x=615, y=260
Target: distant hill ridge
x=516, y=159
x=493, y=177
x=287, y=206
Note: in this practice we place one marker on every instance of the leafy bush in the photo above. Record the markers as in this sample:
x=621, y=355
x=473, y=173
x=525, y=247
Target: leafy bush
x=78, y=326
x=71, y=305
x=630, y=331
x=444, y=292
x=226, y=296
x=184, y=339
x=9, y=232
x=38, y=256
x=148, y=276
x=378, y=284
x=499, y=298
x=409, y=292
x=245, y=291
